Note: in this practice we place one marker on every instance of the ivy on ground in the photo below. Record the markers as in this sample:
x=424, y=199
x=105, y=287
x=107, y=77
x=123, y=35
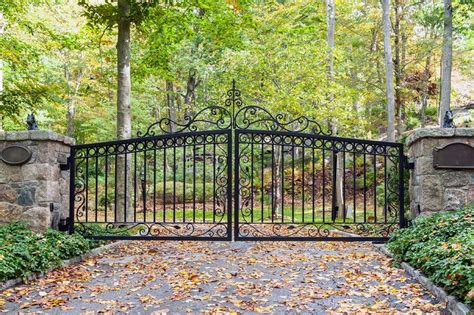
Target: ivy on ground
x=23, y=252
x=442, y=247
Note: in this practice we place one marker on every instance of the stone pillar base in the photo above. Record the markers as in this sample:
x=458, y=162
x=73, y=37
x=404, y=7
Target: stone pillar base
x=27, y=190
x=435, y=189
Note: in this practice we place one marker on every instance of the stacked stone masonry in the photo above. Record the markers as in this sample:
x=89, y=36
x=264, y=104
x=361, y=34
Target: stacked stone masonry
x=26, y=191
x=433, y=189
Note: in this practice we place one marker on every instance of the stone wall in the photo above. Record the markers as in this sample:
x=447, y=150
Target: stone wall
x=26, y=191
x=434, y=189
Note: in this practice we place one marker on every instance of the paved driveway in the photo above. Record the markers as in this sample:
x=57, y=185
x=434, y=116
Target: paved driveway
x=222, y=277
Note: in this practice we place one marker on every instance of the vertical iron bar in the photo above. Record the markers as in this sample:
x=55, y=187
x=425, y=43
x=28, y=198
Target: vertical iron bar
x=115, y=188
x=334, y=209
x=174, y=182
x=324, y=183
x=96, y=186
x=273, y=181
x=87, y=187
x=144, y=185
x=154, y=181
x=204, y=183
x=401, y=184
x=135, y=185
x=314, y=185
x=375, y=186
x=365, y=188
x=230, y=156
x=344, y=186
x=385, y=186
x=194, y=182
x=164, y=182
x=72, y=189
x=282, y=182
x=251, y=180
x=354, y=187
x=106, y=203
x=261, y=188
x=125, y=186
x=302, y=183
x=214, y=181
x=184, y=180
x=292, y=183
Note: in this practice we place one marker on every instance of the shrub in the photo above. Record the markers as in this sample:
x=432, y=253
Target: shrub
x=191, y=193
x=23, y=252
x=442, y=246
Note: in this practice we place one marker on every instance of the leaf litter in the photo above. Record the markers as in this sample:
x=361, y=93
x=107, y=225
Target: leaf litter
x=159, y=277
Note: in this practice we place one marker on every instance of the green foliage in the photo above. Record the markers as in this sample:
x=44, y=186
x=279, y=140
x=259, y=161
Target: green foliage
x=23, y=252
x=190, y=192
x=442, y=247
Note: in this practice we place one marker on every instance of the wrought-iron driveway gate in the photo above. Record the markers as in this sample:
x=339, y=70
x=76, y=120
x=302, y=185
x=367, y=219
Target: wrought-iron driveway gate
x=239, y=172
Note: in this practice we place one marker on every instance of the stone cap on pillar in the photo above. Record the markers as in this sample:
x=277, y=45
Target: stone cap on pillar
x=35, y=135
x=438, y=133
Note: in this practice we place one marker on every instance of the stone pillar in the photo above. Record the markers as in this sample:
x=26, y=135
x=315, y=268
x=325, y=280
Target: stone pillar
x=27, y=190
x=438, y=189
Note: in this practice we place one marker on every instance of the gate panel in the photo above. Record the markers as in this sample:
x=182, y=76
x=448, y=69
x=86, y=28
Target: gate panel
x=175, y=186
x=297, y=186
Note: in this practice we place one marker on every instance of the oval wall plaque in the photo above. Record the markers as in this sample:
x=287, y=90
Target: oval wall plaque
x=454, y=156
x=15, y=155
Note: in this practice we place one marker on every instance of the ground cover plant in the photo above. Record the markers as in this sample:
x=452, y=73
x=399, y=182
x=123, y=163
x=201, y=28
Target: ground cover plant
x=442, y=247
x=23, y=252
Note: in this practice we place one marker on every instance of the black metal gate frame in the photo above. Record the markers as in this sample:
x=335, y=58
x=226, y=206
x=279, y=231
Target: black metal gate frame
x=234, y=120
x=311, y=237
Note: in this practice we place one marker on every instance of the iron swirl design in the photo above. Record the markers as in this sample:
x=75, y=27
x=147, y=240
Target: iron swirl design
x=281, y=230
x=211, y=117
x=234, y=115
x=253, y=116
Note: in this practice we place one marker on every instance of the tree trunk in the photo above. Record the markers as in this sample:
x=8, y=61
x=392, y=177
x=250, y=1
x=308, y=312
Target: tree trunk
x=190, y=96
x=425, y=93
x=446, y=62
x=71, y=106
x=398, y=68
x=124, y=130
x=388, y=71
x=330, y=24
x=170, y=105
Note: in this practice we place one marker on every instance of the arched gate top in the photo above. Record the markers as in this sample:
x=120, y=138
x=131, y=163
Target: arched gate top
x=234, y=114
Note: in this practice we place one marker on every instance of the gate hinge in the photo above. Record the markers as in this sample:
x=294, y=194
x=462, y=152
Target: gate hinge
x=66, y=166
x=407, y=164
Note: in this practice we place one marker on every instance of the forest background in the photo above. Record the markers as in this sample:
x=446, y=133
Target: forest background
x=59, y=61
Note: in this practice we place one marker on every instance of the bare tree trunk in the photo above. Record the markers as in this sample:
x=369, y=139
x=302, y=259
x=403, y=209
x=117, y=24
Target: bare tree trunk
x=398, y=67
x=190, y=96
x=388, y=71
x=124, y=129
x=330, y=24
x=71, y=106
x=446, y=62
x=170, y=105
x=425, y=93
